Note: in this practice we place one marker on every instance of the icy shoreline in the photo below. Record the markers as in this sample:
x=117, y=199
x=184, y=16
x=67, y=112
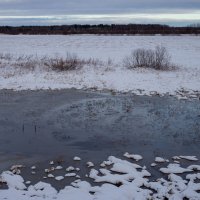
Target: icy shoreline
x=119, y=178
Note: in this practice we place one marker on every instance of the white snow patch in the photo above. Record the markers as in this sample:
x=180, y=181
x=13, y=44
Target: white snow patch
x=90, y=164
x=133, y=156
x=191, y=158
x=76, y=158
x=13, y=181
x=50, y=176
x=51, y=162
x=58, y=167
x=70, y=168
x=70, y=174
x=160, y=159
x=194, y=167
x=175, y=169
x=59, y=178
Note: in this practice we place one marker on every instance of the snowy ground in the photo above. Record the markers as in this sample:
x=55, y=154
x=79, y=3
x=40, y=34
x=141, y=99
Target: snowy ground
x=118, y=179
x=185, y=51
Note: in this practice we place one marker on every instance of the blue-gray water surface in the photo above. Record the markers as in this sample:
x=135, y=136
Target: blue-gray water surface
x=37, y=126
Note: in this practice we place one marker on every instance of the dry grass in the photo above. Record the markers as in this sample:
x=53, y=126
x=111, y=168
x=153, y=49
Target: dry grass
x=158, y=59
x=5, y=56
x=68, y=63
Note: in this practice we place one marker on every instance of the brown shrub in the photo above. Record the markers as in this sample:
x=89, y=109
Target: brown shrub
x=158, y=59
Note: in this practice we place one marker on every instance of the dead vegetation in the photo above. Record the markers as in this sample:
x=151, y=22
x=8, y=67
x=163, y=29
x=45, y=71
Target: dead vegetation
x=67, y=63
x=158, y=59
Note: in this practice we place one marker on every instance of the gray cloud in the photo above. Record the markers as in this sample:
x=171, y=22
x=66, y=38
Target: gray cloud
x=64, y=11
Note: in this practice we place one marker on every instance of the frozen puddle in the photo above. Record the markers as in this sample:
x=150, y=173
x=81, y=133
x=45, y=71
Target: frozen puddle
x=119, y=179
x=60, y=140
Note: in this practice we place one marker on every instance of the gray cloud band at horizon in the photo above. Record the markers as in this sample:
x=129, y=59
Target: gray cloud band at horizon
x=41, y=12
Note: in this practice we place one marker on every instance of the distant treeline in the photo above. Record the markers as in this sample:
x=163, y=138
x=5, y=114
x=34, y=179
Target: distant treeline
x=130, y=29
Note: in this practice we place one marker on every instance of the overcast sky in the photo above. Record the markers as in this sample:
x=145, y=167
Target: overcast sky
x=48, y=12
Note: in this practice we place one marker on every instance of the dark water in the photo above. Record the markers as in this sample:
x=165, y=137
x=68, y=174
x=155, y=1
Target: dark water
x=38, y=126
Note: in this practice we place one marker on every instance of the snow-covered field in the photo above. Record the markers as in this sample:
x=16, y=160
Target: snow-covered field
x=184, y=50
x=119, y=179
